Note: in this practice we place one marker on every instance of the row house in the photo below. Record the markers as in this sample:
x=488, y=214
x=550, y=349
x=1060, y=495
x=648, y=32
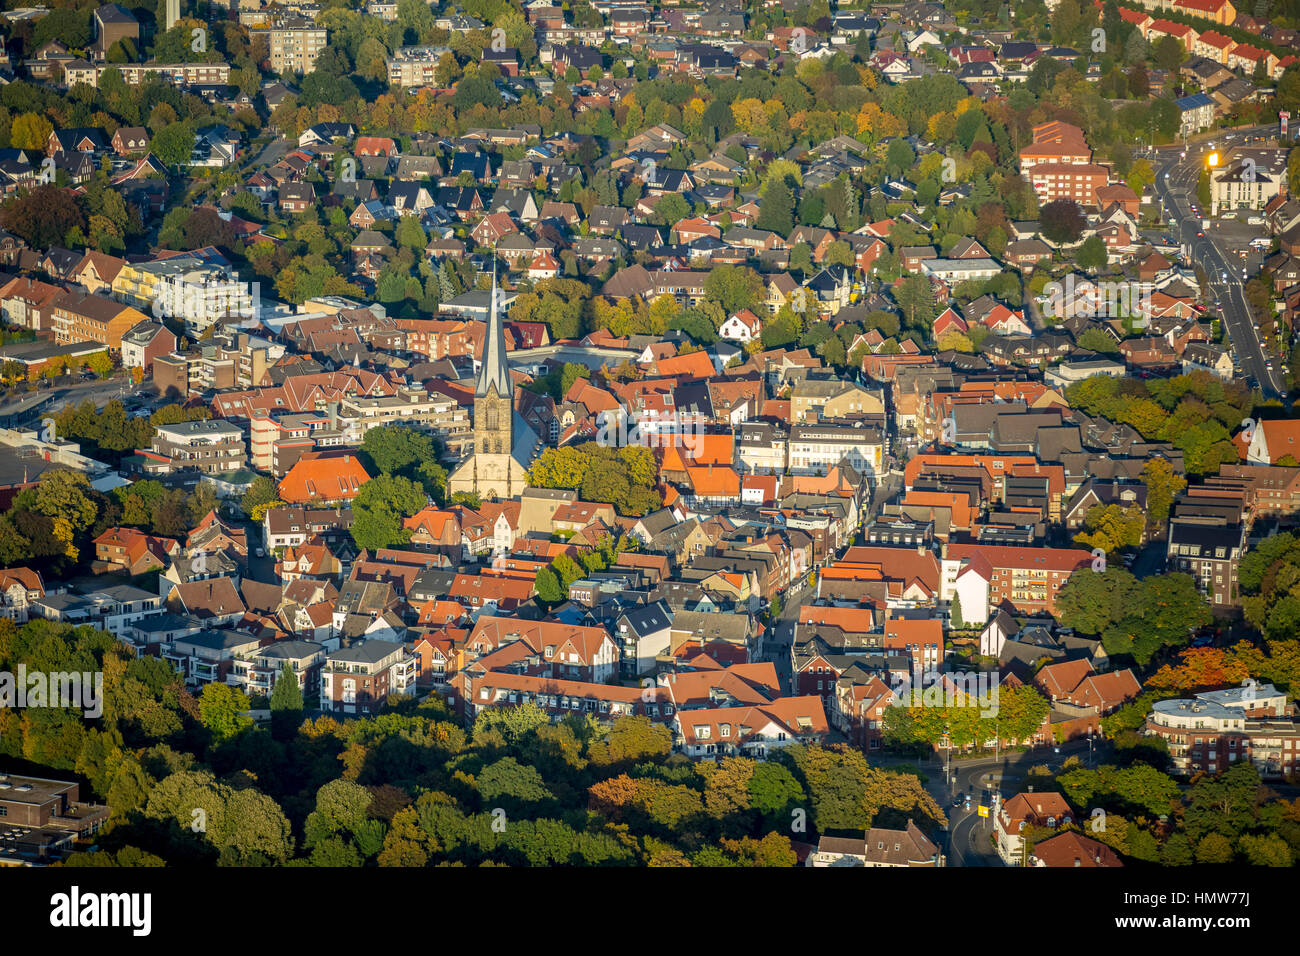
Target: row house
x=754, y=731
x=473, y=694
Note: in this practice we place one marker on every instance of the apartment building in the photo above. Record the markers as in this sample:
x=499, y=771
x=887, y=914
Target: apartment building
x=413, y=66
x=258, y=670
x=213, y=447
x=1250, y=178
x=437, y=413
x=1210, y=552
x=198, y=292
x=277, y=440
x=813, y=399
x=358, y=679
x=1213, y=730
x=44, y=818
x=1052, y=181
x=135, y=74
x=474, y=694
x=145, y=342
x=987, y=575
x=816, y=449
x=290, y=527
x=878, y=847
x=29, y=303
x=294, y=45
x=92, y=318
x=209, y=656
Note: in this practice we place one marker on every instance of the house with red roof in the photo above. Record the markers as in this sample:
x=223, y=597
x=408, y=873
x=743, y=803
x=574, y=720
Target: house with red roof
x=19, y=587
x=321, y=477
x=1025, y=811
x=544, y=266
x=1073, y=849
x=133, y=551
x=743, y=326
x=374, y=146
x=752, y=731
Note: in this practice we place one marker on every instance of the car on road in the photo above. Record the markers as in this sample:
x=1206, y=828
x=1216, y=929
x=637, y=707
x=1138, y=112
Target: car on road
x=961, y=799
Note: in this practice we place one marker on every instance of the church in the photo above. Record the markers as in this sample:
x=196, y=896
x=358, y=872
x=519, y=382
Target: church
x=504, y=445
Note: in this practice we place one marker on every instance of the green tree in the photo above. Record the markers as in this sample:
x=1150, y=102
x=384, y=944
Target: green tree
x=776, y=212
x=173, y=143
x=378, y=510
x=223, y=710
x=286, y=704
x=1092, y=255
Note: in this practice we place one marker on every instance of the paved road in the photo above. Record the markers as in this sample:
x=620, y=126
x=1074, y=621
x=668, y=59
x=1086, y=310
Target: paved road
x=31, y=406
x=1176, y=181
x=968, y=839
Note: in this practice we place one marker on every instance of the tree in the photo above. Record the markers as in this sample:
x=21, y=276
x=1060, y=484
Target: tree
x=173, y=143
x=1090, y=602
x=1163, y=486
x=733, y=287
x=1112, y=528
x=1061, y=221
x=30, y=131
x=63, y=497
x=378, y=510
x=261, y=495
x=1169, y=53
x=915, y=298
x=223, y=710
x=512, y=785
x=286, y=704
x=1092, y=255
x=43, y=216
x=776, y=213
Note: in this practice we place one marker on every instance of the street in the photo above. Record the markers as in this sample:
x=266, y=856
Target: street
x=28, y=408
x=1176, y=182
x=969, y=835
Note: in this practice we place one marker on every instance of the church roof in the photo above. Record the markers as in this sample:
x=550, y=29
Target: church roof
x=495, y=370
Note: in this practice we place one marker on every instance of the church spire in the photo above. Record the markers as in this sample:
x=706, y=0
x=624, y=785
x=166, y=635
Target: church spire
x=494, y=370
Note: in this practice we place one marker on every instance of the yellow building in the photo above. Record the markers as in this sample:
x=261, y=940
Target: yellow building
x=93, y=318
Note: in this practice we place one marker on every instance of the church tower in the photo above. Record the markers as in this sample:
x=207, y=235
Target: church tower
x=502, y=448
x=493, y=394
